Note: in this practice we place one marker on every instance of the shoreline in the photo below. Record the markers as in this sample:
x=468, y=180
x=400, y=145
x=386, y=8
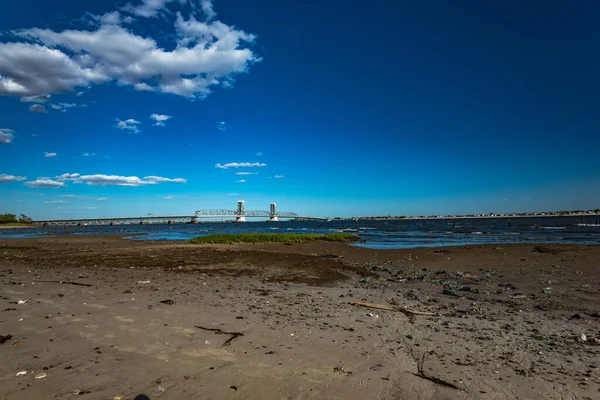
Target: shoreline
x=314, y=320
x=131, y=238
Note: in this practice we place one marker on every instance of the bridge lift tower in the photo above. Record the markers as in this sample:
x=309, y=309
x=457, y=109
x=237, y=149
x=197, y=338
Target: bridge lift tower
x=240, y=212
x=273, y=213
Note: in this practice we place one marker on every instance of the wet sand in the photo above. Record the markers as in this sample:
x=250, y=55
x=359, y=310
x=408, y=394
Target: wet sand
x=162, y=319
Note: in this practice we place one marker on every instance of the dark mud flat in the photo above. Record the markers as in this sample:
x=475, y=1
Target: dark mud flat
x=176, y=321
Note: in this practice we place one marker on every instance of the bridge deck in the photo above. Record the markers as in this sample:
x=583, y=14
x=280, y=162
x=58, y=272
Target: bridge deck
x=168, y=219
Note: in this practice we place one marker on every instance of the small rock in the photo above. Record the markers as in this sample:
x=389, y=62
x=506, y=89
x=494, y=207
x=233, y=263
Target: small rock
x=448, y=292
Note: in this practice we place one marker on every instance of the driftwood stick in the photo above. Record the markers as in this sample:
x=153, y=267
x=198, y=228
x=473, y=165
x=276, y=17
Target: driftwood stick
x=68, y=283
x=218, y=331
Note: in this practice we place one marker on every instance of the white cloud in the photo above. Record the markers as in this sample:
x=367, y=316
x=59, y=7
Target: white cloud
x=92, y=208
x=112, y=180
x=157, y=179
x=56, y=202
x=192, y=58
x=49, y=155
x=111, y=18
x=221, y=126
x=278, y=176
x=232, y=194
x=241, y=181
x=258, y=154
x=36, y=99
x=44, y=183
x=116, y=180
x=207, y=7
x=246, y=173
x=11, y=178
x=148, y=8
x=86, y=154
x=129, y=125
x=63, y=107
x=6, y=136
x=68, y=177
x=77, y=197
x=169, y=197
x=35, y=107
x=239, y=165
x=159, y=120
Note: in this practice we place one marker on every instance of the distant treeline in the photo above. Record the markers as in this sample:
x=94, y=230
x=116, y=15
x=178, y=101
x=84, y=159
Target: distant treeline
x=13, y=219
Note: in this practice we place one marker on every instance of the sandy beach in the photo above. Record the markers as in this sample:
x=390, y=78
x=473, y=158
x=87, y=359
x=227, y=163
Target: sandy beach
x=106, y=318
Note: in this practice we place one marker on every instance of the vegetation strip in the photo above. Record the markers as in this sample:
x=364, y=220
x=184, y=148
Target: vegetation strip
x=273, y=238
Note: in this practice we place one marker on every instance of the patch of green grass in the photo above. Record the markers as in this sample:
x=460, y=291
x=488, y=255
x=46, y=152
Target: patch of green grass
x=222, y=238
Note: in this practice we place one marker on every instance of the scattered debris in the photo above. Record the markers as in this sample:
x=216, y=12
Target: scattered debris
x=40, y=376
x=126, y=291
x=341, y=371
x=21, y=373
x=143, y=282
x=389, y=308
x=169, y=302
x=82, y=392
x=218, y=331
x=582, y=338
x=21, y=301
x=159, y=390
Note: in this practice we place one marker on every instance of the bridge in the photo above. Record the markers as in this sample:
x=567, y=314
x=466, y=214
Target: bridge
x=240, y=215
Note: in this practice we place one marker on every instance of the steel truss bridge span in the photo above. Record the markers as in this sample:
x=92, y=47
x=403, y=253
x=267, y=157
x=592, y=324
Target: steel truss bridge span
x=119, y=221
x=246, y=214
x=240, y=215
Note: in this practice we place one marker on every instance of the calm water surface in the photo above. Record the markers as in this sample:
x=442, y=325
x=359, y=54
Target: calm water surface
x=377, y=234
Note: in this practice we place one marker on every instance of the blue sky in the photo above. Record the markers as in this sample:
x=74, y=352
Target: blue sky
x=329, y=108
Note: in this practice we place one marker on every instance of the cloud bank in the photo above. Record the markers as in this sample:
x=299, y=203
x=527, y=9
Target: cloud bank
x=202, y=54
x=115, y=180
